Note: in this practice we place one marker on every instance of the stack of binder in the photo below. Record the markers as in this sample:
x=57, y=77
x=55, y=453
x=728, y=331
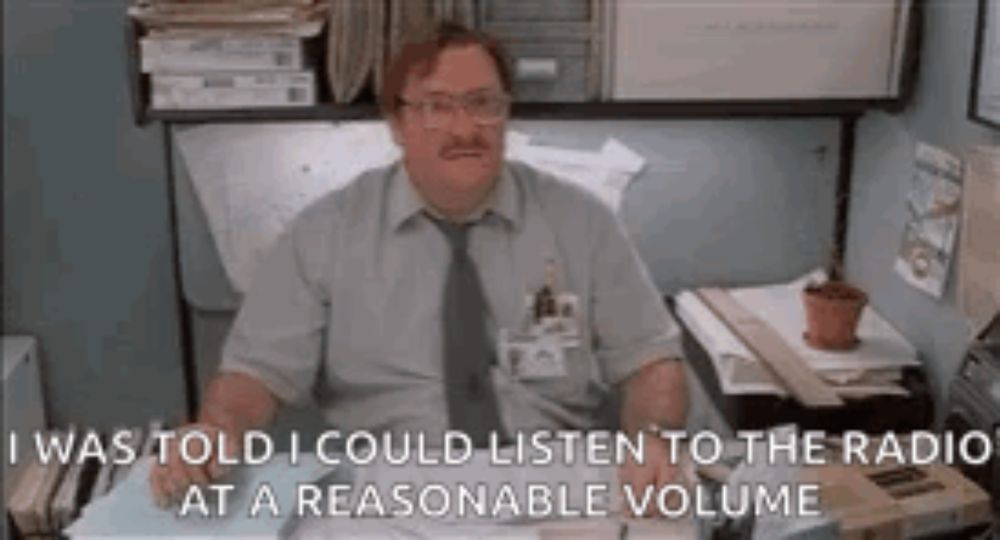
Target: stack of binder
x=48, y=496
x=353, y=43
x=229, y=54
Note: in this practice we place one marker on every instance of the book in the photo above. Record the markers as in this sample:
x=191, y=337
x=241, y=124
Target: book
x=233, y=90
x=225, y=14
x=29, y=505
x=221, y=53
x=20, y=505
x=66, y=501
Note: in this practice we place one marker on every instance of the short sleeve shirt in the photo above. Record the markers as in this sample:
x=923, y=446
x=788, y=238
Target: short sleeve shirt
x=346, y=307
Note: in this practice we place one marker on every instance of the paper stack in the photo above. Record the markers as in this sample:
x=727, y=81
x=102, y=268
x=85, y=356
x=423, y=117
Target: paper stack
x=873, y=368
x=29, y=502
x=129, y=511
x=227, y=54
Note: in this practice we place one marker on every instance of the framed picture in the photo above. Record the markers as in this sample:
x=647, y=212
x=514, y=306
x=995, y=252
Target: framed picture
x=984, y=98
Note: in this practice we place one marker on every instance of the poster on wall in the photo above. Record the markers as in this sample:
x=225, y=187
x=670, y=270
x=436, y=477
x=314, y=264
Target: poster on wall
x=933, y=204
x=984, y=100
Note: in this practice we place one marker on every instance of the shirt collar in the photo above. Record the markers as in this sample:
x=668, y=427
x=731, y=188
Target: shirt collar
x=405, y=201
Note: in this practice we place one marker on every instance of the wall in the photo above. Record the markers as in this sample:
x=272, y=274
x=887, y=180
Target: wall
x=882, y=173
x=722, y=201
x=86, y=248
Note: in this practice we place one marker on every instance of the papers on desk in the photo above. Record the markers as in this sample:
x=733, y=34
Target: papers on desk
x=128, y=511
x=873, y=368
x=251, y=180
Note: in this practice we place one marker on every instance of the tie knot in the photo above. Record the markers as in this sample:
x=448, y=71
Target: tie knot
x=457, y=234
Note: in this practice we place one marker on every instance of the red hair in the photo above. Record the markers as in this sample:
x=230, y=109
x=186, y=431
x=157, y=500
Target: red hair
x=421, y=52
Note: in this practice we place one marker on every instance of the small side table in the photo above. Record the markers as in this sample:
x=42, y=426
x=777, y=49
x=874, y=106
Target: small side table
x=758, y=412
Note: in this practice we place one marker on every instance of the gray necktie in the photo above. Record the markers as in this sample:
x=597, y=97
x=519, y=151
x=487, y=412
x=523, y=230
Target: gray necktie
x=468, y=350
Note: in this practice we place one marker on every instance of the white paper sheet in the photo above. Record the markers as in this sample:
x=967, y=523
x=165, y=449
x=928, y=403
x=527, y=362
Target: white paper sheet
x=606, y=173
x=128, y=511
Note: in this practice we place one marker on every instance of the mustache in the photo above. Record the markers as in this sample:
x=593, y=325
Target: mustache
x=459, y=146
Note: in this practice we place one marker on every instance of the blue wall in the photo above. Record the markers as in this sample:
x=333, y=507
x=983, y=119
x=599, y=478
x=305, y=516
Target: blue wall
x=722, y=202
x=882, y=174
x=86, y=249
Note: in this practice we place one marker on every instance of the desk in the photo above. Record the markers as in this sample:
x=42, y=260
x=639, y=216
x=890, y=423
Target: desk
x=593, y=529
x=129, y=511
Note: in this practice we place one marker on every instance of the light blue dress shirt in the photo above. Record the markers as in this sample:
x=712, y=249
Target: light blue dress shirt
x=345, y=309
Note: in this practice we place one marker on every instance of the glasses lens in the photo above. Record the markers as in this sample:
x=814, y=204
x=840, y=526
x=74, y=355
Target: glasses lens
x=486, y=108
x=483, y=108
x=438, y=111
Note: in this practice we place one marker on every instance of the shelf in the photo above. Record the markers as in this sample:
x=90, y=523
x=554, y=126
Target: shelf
x=631, y=110
x=607, y=110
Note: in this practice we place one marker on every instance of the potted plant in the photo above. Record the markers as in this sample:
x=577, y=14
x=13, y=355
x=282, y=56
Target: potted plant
x=833, y=309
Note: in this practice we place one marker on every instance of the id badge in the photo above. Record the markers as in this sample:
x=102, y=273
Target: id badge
x=549, y=326
x=526, y=356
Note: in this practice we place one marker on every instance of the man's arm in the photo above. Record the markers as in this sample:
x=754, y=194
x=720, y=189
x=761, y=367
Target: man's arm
x=655, y=395
x=234, y=403
x=274, y=348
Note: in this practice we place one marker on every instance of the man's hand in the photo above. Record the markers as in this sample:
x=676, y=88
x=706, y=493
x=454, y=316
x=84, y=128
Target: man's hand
x=171, y=480
x=654, y=395
x=234, y=403
x=655, y=472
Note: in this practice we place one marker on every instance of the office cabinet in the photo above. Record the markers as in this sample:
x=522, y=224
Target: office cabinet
x=555, y=51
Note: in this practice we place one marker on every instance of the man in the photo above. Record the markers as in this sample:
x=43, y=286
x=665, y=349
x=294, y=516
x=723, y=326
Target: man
x=383, y=299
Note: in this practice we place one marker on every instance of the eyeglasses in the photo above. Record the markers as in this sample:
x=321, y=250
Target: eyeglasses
x=438, y=110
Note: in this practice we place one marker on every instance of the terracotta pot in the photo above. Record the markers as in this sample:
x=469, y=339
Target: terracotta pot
x=832, y=313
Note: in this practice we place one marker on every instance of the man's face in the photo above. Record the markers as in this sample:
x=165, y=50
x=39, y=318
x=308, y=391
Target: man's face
x=452, y=152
